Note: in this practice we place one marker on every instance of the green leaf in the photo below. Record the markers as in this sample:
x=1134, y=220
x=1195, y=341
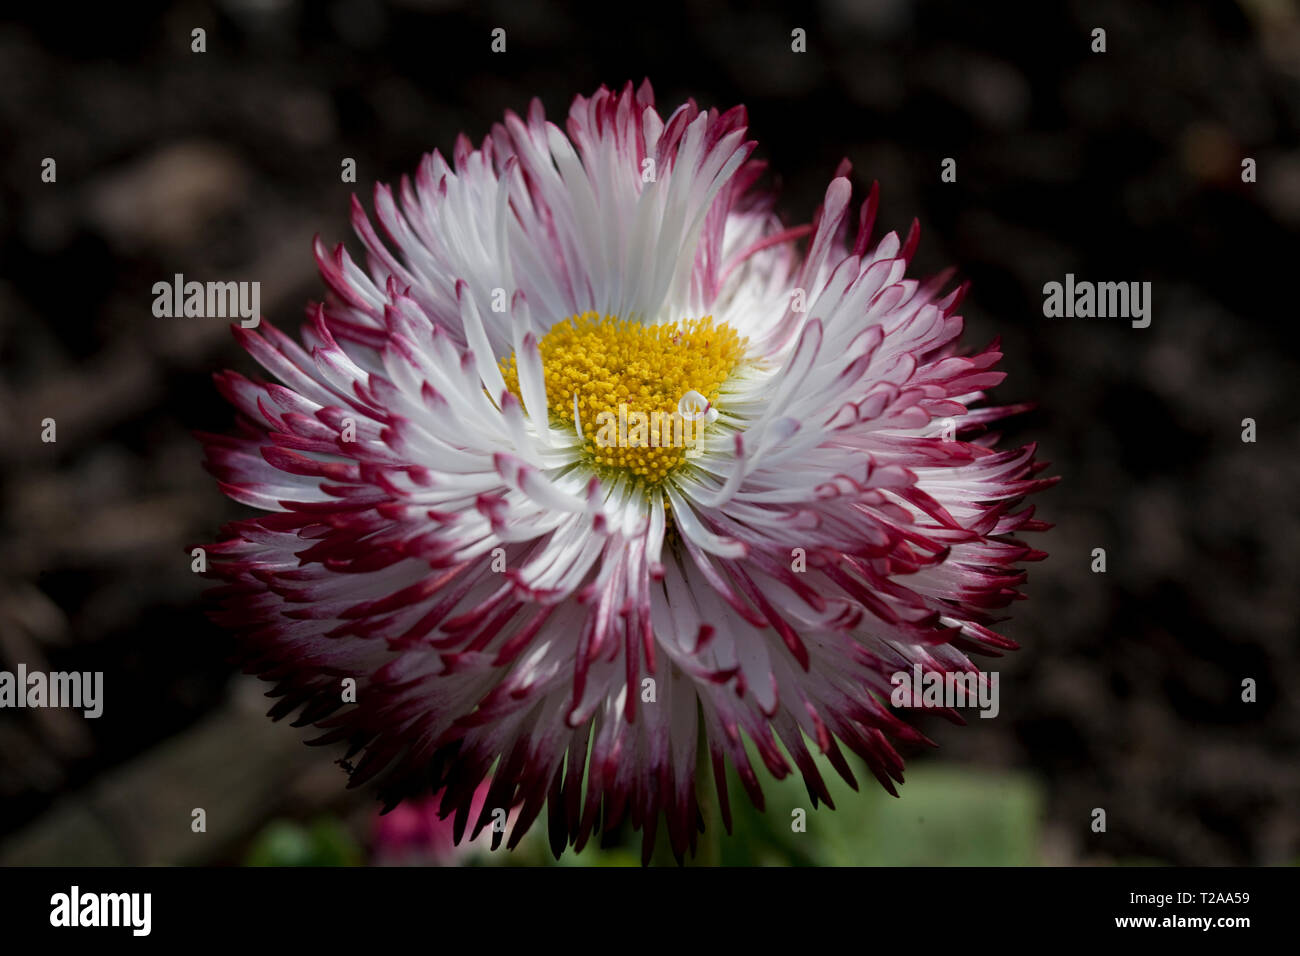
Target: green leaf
x=326, y=842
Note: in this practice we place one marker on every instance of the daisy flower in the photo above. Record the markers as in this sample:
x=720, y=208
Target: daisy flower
x=595, y=463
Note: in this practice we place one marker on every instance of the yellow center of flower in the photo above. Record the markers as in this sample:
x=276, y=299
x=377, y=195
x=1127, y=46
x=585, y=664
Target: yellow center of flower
x=630, y=381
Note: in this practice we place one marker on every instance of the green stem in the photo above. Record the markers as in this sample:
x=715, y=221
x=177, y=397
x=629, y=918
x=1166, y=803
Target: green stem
x=709, y=852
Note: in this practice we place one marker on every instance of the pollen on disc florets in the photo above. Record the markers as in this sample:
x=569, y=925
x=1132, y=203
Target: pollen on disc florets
x=646, y=369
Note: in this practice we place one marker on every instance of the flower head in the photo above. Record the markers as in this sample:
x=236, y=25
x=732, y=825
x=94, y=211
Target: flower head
x=590, y=462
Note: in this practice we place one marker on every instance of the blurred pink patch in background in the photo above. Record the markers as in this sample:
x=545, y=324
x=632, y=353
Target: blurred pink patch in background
x=411, y=834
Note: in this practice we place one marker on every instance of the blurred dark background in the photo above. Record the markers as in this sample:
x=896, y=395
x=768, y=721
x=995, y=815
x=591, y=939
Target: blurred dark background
x=1116, y=166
